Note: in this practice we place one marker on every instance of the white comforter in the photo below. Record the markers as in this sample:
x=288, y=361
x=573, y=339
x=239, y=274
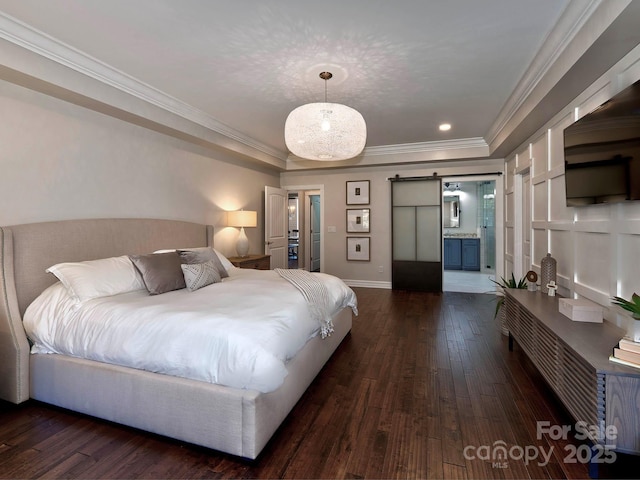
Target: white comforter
x=238, y=333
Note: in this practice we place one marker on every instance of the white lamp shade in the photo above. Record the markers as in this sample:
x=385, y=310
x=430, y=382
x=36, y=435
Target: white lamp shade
x=325, y=131
x=242, y=218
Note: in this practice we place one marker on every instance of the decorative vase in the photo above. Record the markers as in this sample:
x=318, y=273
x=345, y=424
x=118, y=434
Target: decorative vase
x=242, y=246
x=547, y=272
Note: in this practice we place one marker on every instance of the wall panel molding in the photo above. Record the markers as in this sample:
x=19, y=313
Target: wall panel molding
x=593, y=245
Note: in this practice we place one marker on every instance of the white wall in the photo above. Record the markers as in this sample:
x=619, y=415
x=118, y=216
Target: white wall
x=597, y=247
x=60, y=161
x=334, y=183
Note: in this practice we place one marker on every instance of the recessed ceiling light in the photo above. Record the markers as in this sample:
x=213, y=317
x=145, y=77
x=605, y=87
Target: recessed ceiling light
x=444, y=127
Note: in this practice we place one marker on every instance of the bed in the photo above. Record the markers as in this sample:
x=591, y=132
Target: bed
x=238, y=421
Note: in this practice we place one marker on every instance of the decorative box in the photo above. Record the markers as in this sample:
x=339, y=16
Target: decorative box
x=580, y=310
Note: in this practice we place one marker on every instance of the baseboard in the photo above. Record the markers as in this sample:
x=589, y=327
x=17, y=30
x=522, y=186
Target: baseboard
x=368, y=284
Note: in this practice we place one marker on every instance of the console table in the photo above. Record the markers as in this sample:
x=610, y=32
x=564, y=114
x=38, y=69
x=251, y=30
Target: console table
x=573, y=357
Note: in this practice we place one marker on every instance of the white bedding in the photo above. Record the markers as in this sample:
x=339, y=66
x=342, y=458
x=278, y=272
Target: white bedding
x=238, y=333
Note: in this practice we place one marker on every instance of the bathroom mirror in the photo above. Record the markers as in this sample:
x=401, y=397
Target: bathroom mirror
x=451, y=211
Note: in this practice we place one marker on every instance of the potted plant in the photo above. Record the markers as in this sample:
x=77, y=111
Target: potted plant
x=633, y=306
x=504, y=283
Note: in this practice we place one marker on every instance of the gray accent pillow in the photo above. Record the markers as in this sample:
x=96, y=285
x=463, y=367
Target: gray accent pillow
x=199, y=275
x=160, y=272
x=202, y=255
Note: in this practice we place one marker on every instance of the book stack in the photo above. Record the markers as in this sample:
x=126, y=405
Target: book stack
x=627, y=353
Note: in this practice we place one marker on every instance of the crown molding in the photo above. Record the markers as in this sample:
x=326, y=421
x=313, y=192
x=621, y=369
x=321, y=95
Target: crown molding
x=33, y=40
x=406, y=153
x=572, y=20
x=426, y=147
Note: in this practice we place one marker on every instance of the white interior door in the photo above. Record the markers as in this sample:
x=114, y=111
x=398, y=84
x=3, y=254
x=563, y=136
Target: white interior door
x=276, y=220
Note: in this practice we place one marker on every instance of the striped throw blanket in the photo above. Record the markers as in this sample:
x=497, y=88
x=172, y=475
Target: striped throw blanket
x=316, y=295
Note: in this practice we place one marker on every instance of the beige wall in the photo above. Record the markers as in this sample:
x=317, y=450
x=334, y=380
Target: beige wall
x=61, y=161
x=334, y=186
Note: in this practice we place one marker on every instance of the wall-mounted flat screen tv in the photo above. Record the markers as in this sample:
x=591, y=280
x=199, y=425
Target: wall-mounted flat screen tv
x=602, y=152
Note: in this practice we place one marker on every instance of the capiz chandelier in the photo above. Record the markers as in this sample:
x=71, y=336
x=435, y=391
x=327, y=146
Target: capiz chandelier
x=325, y=131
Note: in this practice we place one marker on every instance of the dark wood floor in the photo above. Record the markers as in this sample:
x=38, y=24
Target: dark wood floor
x=421, y=377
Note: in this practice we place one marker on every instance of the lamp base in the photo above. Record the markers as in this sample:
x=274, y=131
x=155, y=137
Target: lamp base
x=242, y=245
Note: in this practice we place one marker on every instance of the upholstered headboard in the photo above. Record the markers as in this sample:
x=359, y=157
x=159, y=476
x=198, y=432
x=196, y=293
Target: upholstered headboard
x=26, y=251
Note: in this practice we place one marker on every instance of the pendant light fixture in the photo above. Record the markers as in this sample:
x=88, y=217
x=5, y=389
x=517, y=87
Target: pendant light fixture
x=325, y=131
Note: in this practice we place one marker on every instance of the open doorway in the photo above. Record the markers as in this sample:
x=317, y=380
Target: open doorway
x=305, y=224
x=469, y=230
x=293, y=208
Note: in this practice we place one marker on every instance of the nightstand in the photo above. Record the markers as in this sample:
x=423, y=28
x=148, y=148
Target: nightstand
x=256, y=262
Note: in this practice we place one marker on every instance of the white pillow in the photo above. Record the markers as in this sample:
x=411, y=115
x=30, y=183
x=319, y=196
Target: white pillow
x=98, y=278
x=228, y=266
x=198, y=275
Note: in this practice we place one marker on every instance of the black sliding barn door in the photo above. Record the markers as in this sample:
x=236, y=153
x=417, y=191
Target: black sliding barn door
x=416, y=223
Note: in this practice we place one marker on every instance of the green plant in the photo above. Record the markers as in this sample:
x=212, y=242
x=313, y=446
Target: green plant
x=511, y=283
x=632, y=305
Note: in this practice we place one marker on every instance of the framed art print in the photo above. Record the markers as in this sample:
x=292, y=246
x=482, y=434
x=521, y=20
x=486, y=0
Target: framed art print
x=358, y=220
x=358, y=192
x=358, y=248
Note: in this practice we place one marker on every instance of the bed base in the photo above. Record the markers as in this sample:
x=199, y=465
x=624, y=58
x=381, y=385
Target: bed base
x=239, y=422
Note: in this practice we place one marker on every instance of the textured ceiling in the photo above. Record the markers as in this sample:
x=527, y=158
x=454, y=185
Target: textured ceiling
x=405, y=65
